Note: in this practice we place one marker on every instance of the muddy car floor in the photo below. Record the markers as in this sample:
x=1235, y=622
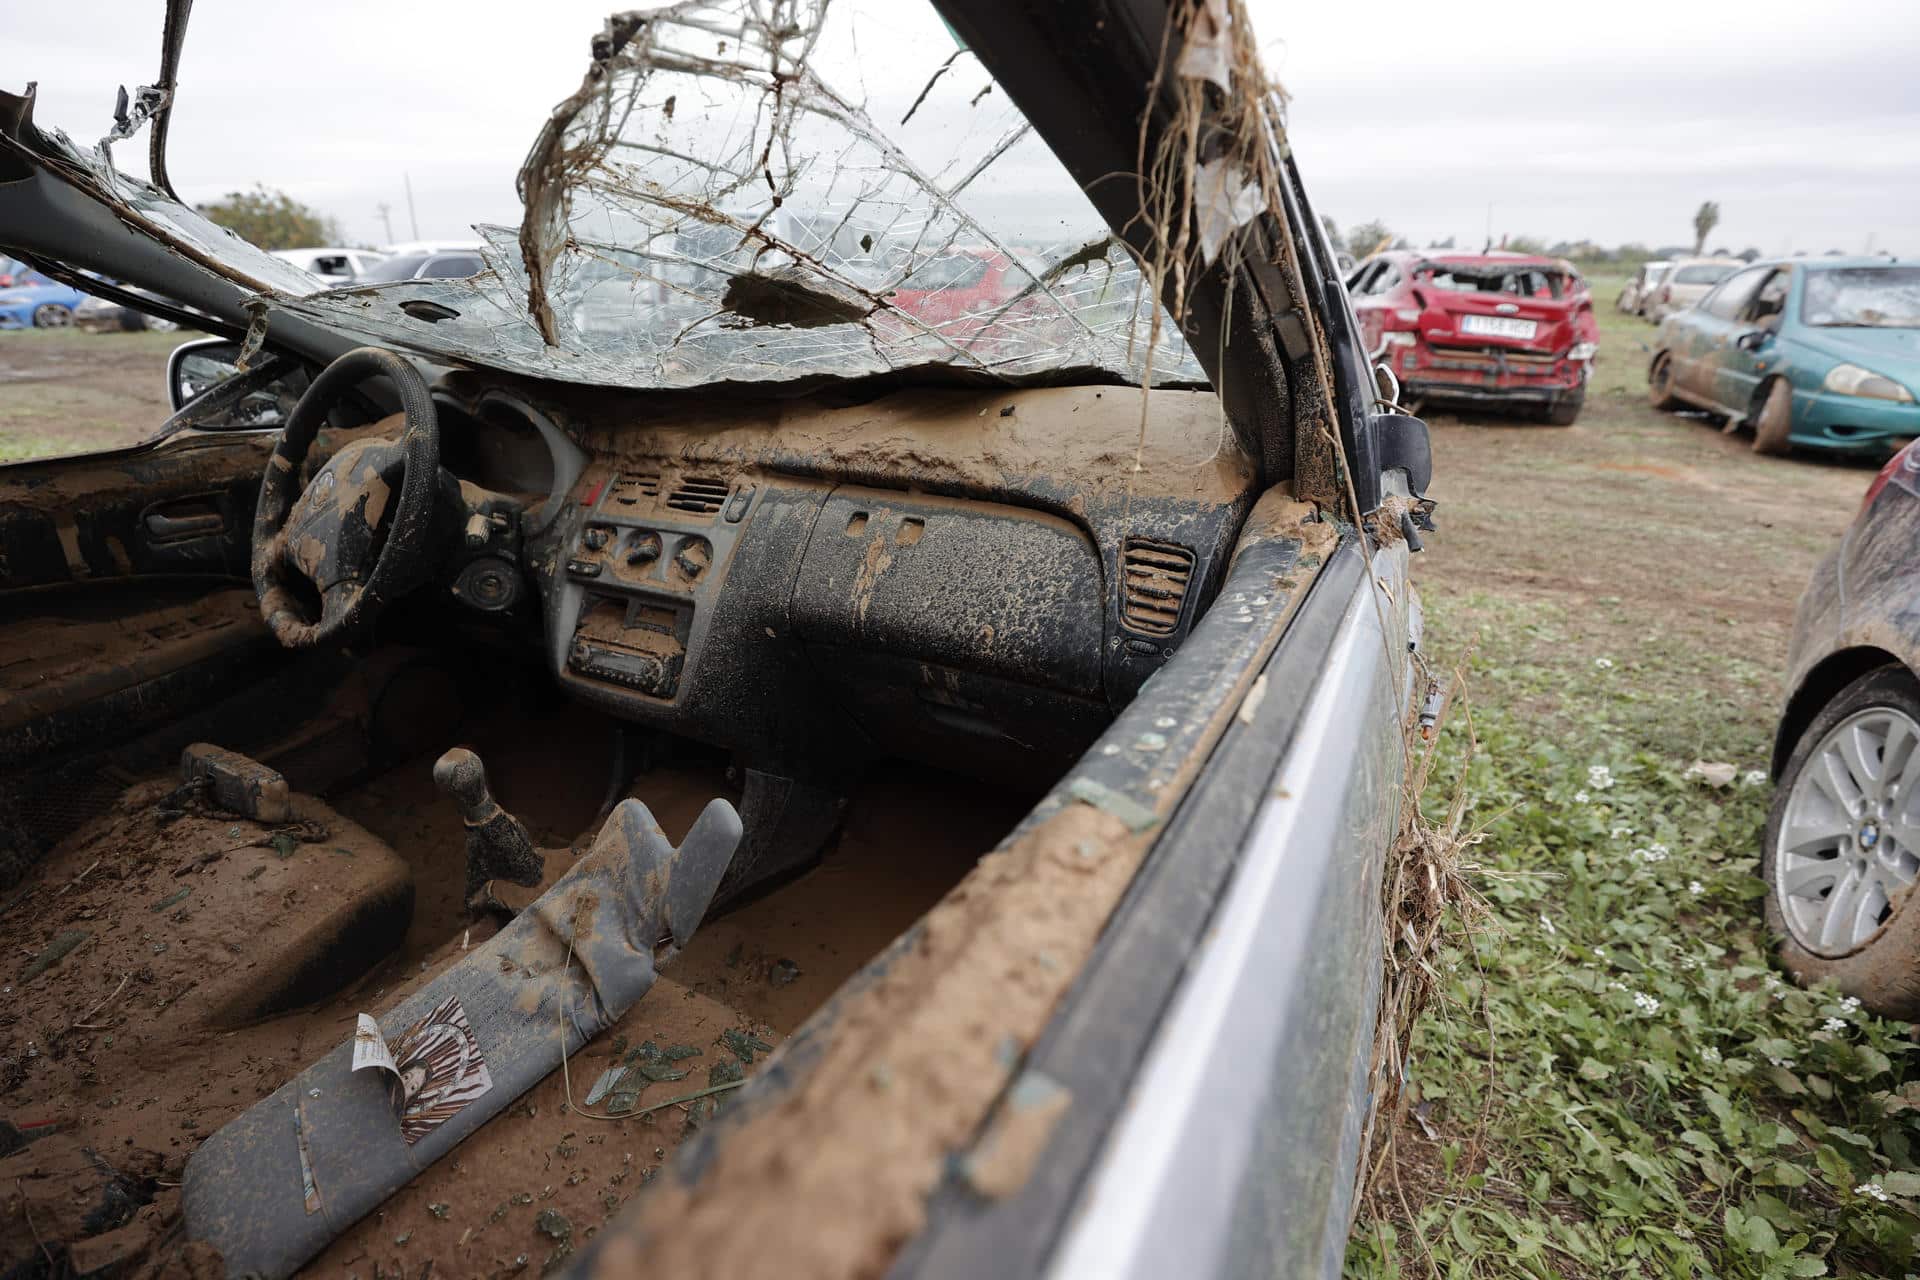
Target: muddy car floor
x=96, y=1057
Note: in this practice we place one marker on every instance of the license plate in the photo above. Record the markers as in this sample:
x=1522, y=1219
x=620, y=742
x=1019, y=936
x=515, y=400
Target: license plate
x=1497, y=326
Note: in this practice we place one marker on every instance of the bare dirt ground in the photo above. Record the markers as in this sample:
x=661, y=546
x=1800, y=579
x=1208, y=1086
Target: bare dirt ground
x=1658, y=535
x=63, y=391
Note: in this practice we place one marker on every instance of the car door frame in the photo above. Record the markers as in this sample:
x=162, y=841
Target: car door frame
x=1744, y=362
x=1710, y=335
x=1208, y=926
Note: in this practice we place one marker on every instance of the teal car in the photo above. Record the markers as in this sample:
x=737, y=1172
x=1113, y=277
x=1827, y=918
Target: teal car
x=1813, y=354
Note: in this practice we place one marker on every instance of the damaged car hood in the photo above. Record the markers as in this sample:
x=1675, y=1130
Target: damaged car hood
x=717, y=202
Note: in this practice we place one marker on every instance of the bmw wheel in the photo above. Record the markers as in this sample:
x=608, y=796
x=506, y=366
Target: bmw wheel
x=1842, y=845
x=52, y=315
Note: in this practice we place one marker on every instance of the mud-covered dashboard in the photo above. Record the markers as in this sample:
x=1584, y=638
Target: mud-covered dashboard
x=974, y=579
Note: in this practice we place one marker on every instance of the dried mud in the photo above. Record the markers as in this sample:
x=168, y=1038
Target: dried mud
x=148, y=1074
x=838, y=1170
x=972, y=441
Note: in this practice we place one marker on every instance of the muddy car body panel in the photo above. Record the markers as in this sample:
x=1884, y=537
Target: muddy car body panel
x=1841, y=848
x=1860, y=609
x=1063, y=715
x=1489, y=329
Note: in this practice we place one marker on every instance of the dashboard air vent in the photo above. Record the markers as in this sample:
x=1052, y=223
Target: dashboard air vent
x=702, y=497
x=1154, y=585
x=633, y=491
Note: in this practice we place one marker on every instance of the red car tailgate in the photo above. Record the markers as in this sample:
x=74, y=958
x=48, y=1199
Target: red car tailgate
x=1459, y=317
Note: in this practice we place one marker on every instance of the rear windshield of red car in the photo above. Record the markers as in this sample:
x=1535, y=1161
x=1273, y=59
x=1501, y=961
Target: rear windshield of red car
x=1524, y=282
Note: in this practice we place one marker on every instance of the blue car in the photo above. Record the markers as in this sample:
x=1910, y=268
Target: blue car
x=1813, y=354
x=33, y=301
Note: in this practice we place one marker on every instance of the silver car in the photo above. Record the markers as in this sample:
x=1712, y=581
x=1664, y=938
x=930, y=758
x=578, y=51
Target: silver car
x=1841, y=851
x=960, y=731
x=1686, y=281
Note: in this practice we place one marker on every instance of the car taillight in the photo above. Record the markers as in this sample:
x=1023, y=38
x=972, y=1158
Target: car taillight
x=1903, y=466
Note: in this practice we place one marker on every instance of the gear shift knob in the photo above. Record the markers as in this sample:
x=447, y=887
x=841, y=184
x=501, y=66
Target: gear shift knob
x=498, y=846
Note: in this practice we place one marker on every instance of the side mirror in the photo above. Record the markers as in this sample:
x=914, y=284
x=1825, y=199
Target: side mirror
x=265, y=397
x=195, y=366
x=1753, y=339
x=1386, y=385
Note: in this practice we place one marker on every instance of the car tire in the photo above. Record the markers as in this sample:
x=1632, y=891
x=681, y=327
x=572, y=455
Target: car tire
x=1773, y=420
x=1660, y=384
x=52, y=315
x=1563, y=412
x=1882, y=968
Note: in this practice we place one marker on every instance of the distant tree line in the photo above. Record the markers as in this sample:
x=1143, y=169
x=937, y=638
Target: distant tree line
x=1375, y=236
x=272, y=219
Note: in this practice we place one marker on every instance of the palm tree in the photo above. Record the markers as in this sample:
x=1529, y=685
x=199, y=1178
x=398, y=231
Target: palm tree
x=1705, y=219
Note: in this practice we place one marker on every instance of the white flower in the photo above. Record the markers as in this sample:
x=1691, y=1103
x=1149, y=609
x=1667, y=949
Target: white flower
x=1850, y=1005
x=1645, y=1003
x=1872, y=1189
x=1616, y=986
x=1695, y=888
x=1652, y=853
x=1780, y=1062
x=1710, y=1055
x=1600, y=953
x=1581, y=797
x=1833, y=1024
x=1599, y=777
x=1546, y=924
x=1621, y=833
x=1605, y=664
x=1753, y=777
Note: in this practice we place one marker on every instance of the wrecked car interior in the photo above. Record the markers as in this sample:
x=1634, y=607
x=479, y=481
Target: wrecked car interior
x=718, y=741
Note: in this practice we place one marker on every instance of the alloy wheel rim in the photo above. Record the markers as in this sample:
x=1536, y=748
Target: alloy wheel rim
x=56, y=318
x=1848, y=846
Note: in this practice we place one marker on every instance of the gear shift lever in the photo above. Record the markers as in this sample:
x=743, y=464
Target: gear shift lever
x=498, y=846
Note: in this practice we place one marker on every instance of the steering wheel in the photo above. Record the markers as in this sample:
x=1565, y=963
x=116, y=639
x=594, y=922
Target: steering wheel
x=328, y=558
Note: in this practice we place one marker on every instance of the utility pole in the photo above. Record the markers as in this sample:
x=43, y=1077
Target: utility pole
x=386, y=222
x=412, y=222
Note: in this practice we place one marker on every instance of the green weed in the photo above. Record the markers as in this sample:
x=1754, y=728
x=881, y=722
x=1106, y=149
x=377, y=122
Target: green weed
x=1620, y=1083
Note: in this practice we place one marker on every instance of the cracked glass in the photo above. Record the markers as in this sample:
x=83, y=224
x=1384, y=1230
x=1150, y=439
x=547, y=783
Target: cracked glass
x=769, y=190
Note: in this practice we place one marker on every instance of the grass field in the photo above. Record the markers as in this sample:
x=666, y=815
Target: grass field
x=1617, y=1083
x=64, y=391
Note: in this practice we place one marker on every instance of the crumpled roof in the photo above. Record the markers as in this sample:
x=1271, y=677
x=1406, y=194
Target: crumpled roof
x=708, y=207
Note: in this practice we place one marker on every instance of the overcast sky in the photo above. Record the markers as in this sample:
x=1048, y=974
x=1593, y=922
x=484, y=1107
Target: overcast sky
x=1570, y=121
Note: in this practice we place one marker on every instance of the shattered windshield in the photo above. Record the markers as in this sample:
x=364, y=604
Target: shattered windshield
x=736, y=193
x=1863, y=297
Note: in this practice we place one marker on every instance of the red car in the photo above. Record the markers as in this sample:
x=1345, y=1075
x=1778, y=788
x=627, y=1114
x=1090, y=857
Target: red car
x=1492, y=330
